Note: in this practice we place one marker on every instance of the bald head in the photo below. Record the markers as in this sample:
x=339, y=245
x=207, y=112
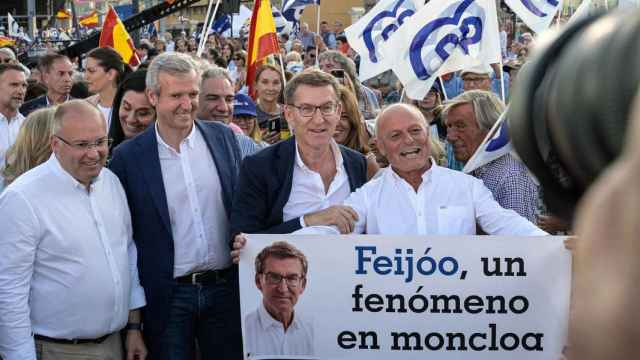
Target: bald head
x=398, y=109
x=77, y=110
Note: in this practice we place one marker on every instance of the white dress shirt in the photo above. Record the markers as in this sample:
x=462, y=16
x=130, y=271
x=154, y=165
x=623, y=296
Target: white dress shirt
x=8, y=133
x=106, y=112
x=265, y=335
x=448, y=202
x=307, y=189
x=199, y=223
x=68, y=263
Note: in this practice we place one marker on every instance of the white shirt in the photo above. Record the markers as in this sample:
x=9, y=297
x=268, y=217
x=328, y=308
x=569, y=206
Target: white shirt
x=448, y=202
x=8, y=134
x=199, y=223
x=68, y=263
x=106, y=112
x=265, y=335
x=307, y=189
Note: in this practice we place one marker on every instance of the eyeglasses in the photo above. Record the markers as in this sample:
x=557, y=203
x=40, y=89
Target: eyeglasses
x=276, y=279
x=86, y=145
x=307, y=110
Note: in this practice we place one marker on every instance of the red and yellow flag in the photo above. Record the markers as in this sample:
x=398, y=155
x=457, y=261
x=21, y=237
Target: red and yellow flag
x=263, y=40
x=115, y=35
x=63, y=14
x=5, y=41
x=89, y=20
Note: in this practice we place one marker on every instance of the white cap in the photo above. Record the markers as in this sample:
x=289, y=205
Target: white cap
x=481, y=69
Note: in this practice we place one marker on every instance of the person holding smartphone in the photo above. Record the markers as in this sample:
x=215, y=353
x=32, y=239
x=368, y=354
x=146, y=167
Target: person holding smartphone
x=269, y=85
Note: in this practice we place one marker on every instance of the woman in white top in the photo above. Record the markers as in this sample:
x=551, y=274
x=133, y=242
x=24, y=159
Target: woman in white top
x=104, y=71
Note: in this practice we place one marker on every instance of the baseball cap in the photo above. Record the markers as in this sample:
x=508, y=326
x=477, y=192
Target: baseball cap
x=243, y=105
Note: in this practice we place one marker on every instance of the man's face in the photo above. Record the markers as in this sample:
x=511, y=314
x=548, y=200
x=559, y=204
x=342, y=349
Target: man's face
x=78, y=128
x=59, y=77
x=315, y=131
x=472, y=81
x=216, y=100
x=13, y=87
x=304, y=28
x=404, y=140
x=327, y=65
x=279, y=299
x=324, y=27
x=463, y=131
x=176, y=103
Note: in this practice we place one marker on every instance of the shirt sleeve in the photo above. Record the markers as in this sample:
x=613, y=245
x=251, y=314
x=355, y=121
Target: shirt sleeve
x=18, y=244
x=358, y=202
x=496, y=220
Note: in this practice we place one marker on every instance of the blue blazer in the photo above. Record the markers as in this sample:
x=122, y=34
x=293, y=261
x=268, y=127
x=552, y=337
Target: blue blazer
x=137, y=165
x=264, y=186
x=33, y=105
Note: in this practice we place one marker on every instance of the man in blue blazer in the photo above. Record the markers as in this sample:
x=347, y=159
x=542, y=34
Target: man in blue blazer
x=57, y=75
x=301, y=181
x=179, y=177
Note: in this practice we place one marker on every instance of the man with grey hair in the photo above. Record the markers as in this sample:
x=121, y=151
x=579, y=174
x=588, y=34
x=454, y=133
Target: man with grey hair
x=68, y=264
x=216, y=104
x=367, y=100
x=179, y=177
x=468, y=119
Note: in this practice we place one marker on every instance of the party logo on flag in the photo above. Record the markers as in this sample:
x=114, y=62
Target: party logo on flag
x=444, y=36
x=368, y=34
x=536, y=14
x=496, y=144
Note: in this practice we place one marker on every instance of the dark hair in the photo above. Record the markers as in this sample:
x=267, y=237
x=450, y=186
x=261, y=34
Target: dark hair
x=134, y=81
x=79, y=90
x=46, y=61
x=109, y=59
x=7, y=67
x=280, y=250
x=311, y=77
x=34, y=89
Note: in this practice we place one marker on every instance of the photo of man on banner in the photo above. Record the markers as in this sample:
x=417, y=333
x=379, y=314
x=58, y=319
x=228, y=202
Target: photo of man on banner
x=274, y=328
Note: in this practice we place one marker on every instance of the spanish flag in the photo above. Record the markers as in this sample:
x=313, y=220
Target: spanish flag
x=263, y=40
x=115, y=35
x=63, y=14
x=5, y=41
x=89, y=20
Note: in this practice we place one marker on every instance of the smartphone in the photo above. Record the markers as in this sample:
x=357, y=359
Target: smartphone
x=274, y=124
x=338, y=73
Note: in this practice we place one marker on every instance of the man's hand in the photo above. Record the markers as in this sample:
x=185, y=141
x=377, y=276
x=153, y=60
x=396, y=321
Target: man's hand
x=238, y=244
x=344, y=217
x=570, y=243
x=552, y=224
x=135, y=345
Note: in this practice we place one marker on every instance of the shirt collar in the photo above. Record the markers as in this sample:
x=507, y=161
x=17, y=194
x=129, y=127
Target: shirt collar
x=189, y=141
x=56, y=167
x=267, y=321
x=426, y=176
x=337, y=155
x=17, y=116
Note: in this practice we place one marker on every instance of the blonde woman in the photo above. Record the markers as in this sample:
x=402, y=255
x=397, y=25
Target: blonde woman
x=32, y=146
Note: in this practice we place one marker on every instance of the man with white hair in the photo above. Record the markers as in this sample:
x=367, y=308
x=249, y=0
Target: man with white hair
x=468, y=119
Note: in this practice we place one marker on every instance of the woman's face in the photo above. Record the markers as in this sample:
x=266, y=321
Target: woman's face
x=135, y=113
x=97, y=78
x=246, y=123
x=343, y=129
x=268, y=86
x=226, y=51
x=181, y=46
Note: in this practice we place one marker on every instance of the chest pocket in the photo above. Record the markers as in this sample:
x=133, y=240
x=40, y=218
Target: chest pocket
x=456, y=220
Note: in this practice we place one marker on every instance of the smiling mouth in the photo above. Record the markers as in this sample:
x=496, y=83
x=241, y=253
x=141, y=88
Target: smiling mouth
x=411, y=153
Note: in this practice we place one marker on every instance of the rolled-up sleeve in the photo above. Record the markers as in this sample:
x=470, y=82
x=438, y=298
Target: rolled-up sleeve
x=18, y=243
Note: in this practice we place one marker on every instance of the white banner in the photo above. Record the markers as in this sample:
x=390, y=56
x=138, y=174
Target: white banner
x=537, y=14
x=381, y=297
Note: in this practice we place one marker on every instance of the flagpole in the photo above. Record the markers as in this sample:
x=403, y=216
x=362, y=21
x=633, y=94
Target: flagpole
x=317, y=31
x=207, y=25
x=504, y=100
x=444, y=92
x=284, y=77
x=402, y=94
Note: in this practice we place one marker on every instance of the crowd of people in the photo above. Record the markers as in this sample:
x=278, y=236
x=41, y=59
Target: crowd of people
x=126, y=193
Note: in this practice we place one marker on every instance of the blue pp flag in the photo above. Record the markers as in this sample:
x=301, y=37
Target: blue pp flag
x=222, y=25
x=292, y=9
